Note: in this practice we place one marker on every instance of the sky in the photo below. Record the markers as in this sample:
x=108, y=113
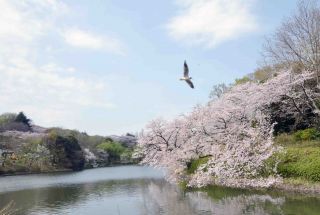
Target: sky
x=109, y=66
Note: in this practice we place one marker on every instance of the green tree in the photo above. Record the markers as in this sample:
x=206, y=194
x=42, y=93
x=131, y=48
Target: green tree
x=7, y=118
x=242, y=80
x=21, y=117
x=114, y=149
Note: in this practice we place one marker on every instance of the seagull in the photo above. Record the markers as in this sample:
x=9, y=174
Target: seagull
x=186, y=75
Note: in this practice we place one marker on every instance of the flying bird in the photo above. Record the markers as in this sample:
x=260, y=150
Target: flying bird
x=186, y=75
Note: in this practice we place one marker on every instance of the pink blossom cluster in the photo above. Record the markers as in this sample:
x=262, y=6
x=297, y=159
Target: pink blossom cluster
x=235, y=131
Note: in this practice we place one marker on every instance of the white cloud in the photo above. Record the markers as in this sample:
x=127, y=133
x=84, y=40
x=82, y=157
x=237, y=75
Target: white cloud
x=88, y=40
x=24, y=84
x=211, y=22
x=19, y=19
x=49, y=93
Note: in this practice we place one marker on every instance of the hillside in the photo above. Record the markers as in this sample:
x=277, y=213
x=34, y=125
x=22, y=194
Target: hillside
x=28, y=148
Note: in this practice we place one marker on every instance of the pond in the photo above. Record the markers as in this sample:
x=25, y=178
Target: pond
x=138, y=190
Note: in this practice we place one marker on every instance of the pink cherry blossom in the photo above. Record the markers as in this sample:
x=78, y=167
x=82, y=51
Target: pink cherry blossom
x=235, y=130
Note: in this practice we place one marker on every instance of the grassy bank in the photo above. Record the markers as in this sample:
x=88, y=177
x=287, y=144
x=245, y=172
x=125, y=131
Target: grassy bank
x=298, y=162
x=194, y=164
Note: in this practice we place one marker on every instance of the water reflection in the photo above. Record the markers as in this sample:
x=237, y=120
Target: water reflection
x=92, y=198
x=163, y=198
x=166, y=199
x=148, y=194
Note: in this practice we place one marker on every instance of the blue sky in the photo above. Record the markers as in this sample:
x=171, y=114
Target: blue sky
x=110, y=66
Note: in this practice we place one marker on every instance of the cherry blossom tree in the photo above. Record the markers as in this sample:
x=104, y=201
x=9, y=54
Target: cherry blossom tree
x=235, y=131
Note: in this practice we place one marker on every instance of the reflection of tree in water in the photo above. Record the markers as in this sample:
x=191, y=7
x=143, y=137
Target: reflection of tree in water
x=57, y=198
x=162, y=198
x=234, y=205
x=153, y=197
x=35, y=199
x=159, y=197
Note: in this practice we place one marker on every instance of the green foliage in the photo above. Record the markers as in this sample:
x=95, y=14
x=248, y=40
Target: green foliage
x=307, y=134
x=269, y=167
x=41, y=153
x=300, y=157
x=300, y=162
x=113, y=148
x=294, y=163
x=83, y=138
x=183, y=185
x=242, y=80
x=31, y=145
x=263, y=74
x=127, y=154
x=52, y=135
x=193, y=165
x=260, y=75
x=7, y=118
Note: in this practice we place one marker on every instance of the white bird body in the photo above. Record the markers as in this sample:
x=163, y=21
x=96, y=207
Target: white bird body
x=186, y=77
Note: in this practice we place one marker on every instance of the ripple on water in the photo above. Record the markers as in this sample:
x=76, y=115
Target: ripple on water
x=137, y=190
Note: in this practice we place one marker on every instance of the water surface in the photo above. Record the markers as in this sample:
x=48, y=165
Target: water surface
x=138, y=190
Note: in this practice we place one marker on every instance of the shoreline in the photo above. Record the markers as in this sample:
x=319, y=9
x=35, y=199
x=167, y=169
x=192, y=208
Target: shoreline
x=308, y=188
x=62, y=170
x=34, y=173
x=312, y=189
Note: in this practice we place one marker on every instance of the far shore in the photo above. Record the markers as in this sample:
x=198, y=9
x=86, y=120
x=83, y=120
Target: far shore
x=64, y=170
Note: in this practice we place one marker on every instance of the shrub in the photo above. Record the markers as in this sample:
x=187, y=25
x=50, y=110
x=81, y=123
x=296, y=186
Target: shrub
x=52, y=135
x=126, y=155
x=263, y=74
x=242, y=80
x=300, y=162
x=83, y=138
x=31, y=145
x=114, y=149
x=307, y=134
x=302, y=137
x=183, y=185
x=7, y=118
x=193, y=165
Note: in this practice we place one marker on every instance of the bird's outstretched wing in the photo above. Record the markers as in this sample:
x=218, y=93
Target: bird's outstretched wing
x=186, y=70
x=190, y=83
